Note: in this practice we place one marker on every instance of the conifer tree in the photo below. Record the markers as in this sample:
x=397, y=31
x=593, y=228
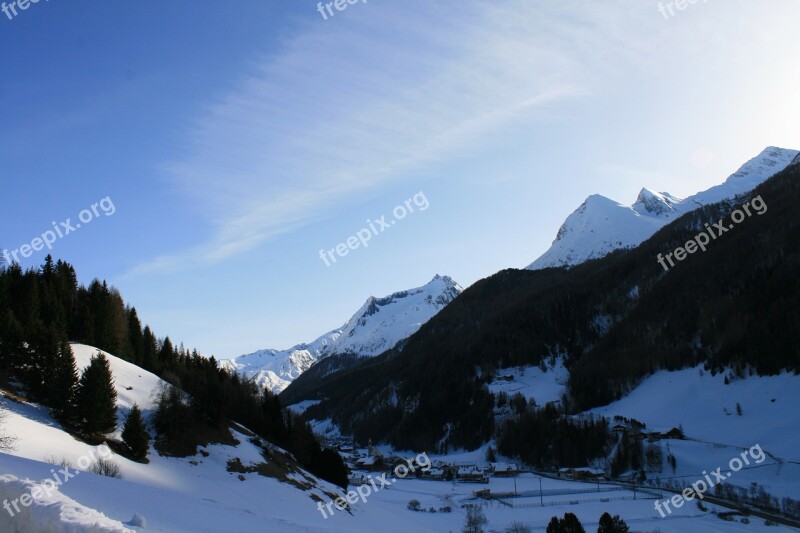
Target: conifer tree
x=63, y=392
x=571, y=524
x=135, y=435
x=554, y=526
x=609, y=524
x=97, y=397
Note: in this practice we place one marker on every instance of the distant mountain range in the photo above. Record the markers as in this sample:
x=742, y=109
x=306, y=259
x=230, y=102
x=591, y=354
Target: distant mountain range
x=598, y=227
x=601, y=225
x=380, y=324
x=612, y=321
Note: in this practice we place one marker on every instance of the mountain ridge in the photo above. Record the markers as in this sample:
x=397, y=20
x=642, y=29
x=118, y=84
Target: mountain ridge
x=601, y=225
x=378, y=325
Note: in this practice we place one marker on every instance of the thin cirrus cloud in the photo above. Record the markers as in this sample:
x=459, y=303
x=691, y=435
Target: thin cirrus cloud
x=354, y=101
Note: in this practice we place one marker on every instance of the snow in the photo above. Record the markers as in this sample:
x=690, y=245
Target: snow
x=133, y=384
x=600, y=225
x=300, y=407
x=197, y=494
x=376, y=327
x=193, y=494
x=49, y=511
x=532, y=382
x=706, y=410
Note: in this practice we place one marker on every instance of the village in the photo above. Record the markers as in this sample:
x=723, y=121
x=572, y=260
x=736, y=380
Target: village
x=365, y=461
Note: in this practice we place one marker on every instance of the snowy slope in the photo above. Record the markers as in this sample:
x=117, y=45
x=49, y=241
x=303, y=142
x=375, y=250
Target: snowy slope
x=198, y=495
x=50, y=511
x=600, y=225
x=543, y=386
x=378, y=326
x=705, y=407
x=39, y=437
x=174, y=494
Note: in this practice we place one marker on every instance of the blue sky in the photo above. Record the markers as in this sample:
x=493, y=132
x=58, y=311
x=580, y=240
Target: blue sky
x=236, y=140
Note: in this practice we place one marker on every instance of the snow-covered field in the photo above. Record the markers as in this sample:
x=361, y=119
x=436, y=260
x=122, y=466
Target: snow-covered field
x=533, y=383
x=705, y=407
x=197, y=494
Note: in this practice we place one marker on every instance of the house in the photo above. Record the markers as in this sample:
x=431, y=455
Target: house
x=588, y=473
x=357, y=479
x=438, y=474
x=674, y=433
x=371, y=464
x=471, y=474
x=581, y=474
x=503, y=469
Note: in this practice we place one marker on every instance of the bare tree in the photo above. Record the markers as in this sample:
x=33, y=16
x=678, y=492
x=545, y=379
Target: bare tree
x=6, y=441
x=475, y=520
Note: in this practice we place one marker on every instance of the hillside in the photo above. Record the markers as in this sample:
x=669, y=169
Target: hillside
x=196, y=493
x=614, y=320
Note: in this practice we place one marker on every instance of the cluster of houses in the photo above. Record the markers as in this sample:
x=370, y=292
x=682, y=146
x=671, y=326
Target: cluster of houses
x=438, y=471
x=637, y=430
x=582, y=474
x=364, y=462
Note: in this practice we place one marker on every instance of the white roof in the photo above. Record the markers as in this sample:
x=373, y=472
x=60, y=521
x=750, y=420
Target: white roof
x=503, y=466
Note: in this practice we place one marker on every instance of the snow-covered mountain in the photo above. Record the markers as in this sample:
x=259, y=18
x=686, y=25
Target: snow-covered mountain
x=601, y=225
x=378, y=326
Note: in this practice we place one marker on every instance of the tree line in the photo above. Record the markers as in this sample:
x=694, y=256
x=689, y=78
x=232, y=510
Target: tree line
x=42, y=310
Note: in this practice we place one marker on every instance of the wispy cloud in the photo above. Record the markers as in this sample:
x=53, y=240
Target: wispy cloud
x=353, y=102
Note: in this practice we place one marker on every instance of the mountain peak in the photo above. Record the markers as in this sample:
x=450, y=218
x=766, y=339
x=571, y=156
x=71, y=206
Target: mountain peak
x=601, y=225
x=378, y=325
x=445, y=280
x=656, y=203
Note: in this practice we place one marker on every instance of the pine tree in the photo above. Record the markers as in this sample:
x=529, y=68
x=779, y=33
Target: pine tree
x=609, y=524
x=571, y=524
x=135, y=435
x=554, y=526
x=490, y=455
x=97, y=397
x=63, y=392
x=166, y=355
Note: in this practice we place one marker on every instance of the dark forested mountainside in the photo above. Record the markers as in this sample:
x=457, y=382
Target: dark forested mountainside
x=615, y=320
